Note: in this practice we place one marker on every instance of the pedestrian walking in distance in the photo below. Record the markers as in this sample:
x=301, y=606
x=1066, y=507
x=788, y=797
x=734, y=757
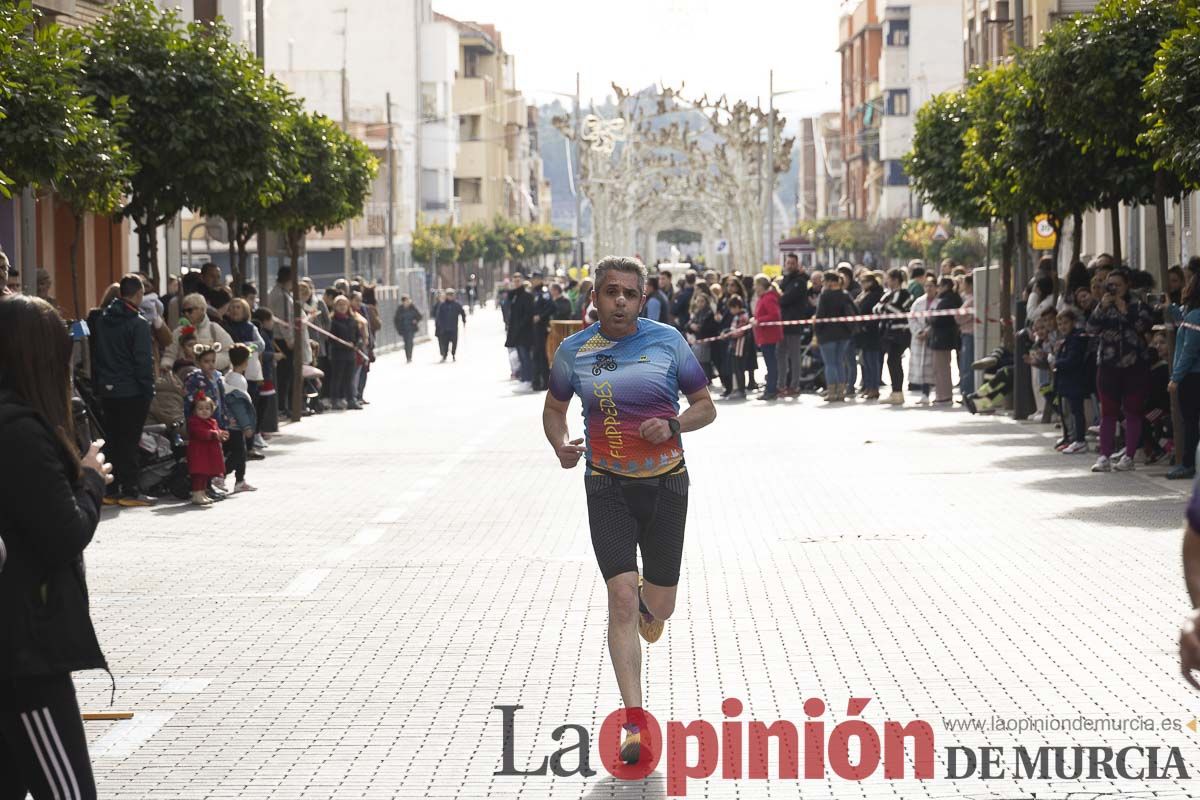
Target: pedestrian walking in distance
x=445, y=324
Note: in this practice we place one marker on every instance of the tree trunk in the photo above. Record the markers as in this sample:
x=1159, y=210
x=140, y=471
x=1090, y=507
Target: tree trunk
x=1006, y=283
x=77, y=218
x=1076, y=236
x=297, y=338
x=145, y=232
x=1160, y=218
x=1056, y=221
x=1114, y=212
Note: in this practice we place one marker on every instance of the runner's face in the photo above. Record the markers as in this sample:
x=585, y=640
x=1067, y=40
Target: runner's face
x=618, y=302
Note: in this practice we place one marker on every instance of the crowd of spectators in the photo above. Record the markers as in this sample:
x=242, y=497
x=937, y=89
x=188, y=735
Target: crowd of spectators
x=209, y=368
x=1094, y=342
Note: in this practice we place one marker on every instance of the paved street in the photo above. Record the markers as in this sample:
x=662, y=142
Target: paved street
x=345, y=632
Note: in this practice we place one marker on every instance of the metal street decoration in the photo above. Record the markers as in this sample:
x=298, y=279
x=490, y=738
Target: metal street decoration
x=601, y=134
x=663, y=161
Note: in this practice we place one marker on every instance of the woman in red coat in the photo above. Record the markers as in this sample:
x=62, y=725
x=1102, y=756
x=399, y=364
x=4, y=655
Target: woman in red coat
x=768, y=337
x=205, y=458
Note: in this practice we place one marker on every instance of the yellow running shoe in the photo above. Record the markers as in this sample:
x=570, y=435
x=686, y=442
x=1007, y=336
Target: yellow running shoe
x=651, y=629
x=631, y=748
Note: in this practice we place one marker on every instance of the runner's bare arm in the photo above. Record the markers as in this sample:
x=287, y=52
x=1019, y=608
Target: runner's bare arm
x=554, y=423
x=1189, y=635
x=1191, y=564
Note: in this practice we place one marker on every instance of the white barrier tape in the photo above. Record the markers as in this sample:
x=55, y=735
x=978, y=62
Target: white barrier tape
x=329, y=335
x=947, y=312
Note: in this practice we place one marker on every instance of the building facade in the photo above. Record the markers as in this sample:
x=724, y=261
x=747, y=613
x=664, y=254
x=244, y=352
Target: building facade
x=920, y=58
x=861, y=41
x=492, y=174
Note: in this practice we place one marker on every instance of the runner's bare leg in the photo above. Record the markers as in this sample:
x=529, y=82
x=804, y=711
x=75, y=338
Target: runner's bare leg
x=624, y=647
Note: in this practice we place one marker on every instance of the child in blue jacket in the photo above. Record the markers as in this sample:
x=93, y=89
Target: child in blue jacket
x=1070, y=377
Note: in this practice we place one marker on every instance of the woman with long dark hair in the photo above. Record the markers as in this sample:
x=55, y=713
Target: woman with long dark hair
x=51, y=499
x=1120, y=323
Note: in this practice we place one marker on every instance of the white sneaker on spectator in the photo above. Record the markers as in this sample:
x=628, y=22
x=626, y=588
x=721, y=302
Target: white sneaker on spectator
x=1124, y=465
x=242, y=486
x=924, y=401
x=1103, y=464
x=260, y=442
x=219, y=485
x=1075, y=447
x=1094, y=430
x=524, y=387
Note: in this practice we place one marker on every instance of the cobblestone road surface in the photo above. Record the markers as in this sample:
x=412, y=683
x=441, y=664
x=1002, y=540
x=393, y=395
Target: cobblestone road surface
x=345, y=632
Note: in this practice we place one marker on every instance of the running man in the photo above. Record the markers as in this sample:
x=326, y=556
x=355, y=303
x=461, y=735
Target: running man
x=629, y=371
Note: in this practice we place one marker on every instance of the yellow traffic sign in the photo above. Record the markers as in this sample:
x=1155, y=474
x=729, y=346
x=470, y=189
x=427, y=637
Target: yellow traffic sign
x=1042, y=236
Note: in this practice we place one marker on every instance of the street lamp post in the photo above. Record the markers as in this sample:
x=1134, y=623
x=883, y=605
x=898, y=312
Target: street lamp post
x=770, y=199
x=578, y=227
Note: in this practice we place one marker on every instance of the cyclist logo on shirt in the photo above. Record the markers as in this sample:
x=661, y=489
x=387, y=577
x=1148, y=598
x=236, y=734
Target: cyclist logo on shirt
x=604, y=361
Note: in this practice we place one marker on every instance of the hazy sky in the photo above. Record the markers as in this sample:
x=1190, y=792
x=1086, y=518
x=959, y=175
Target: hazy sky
x=716, y=46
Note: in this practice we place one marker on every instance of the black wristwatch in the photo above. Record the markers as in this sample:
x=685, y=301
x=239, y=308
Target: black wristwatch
x=673, y=424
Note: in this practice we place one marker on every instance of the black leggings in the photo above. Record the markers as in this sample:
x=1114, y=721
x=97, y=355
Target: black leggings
x=625, y=513
x=895, y=353
x=43, y=750
x=448, y=343
x=1189, y=409
x=235, y=455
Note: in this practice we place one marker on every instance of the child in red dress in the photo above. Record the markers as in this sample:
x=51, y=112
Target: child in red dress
x=204, y=455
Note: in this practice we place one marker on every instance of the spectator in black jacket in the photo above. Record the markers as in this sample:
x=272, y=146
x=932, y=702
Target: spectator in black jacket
x=562, y=303
x=124, y=379
x=682, y=301
x=794, y=305
x=834, y=338
x=407, y=318
x=543, y=312
x=445, y=324
x=943, y=338
x=868, y=339
x=51, y=499
x=520, y=333
x=895, y=334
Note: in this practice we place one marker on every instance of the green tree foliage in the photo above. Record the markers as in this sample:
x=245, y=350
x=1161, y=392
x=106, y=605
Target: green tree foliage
x=1094, y=66
x=503, y=239
x=936, y=162
x=251, y=160
x=328, y=180
x=1173, y=94
x=47, y=121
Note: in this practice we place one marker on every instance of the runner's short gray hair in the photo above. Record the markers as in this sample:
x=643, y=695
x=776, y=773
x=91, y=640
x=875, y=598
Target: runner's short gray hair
x=620, y=264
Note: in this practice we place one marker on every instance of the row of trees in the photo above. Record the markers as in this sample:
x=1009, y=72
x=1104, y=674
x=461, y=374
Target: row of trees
x=140, y=115
x=853, y=239
x=503, y=239
x=1103, y=112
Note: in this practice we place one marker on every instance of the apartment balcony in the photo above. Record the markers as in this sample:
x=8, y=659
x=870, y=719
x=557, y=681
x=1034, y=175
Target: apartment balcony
x=472, y=160
x=473, y=95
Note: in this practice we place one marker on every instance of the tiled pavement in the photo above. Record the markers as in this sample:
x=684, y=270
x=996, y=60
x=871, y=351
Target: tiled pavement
x=346, y=631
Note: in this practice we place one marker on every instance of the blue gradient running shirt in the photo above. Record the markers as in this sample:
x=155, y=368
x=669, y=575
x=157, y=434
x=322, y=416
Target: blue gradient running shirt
x=623, y=383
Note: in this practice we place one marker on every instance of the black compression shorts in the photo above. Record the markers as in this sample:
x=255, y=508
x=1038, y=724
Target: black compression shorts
x=627, y=513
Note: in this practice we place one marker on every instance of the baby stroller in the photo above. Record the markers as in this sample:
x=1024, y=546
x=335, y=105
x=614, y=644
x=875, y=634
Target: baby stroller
x=812, y=367
x=163, y=455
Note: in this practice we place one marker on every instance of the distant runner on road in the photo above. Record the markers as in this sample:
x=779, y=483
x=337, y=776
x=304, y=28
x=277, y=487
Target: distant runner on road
x=629, y=372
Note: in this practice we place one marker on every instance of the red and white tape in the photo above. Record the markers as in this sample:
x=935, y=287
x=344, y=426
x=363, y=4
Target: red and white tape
x=946, y=312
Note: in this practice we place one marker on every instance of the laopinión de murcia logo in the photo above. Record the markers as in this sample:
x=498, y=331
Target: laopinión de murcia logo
x=851, y=750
